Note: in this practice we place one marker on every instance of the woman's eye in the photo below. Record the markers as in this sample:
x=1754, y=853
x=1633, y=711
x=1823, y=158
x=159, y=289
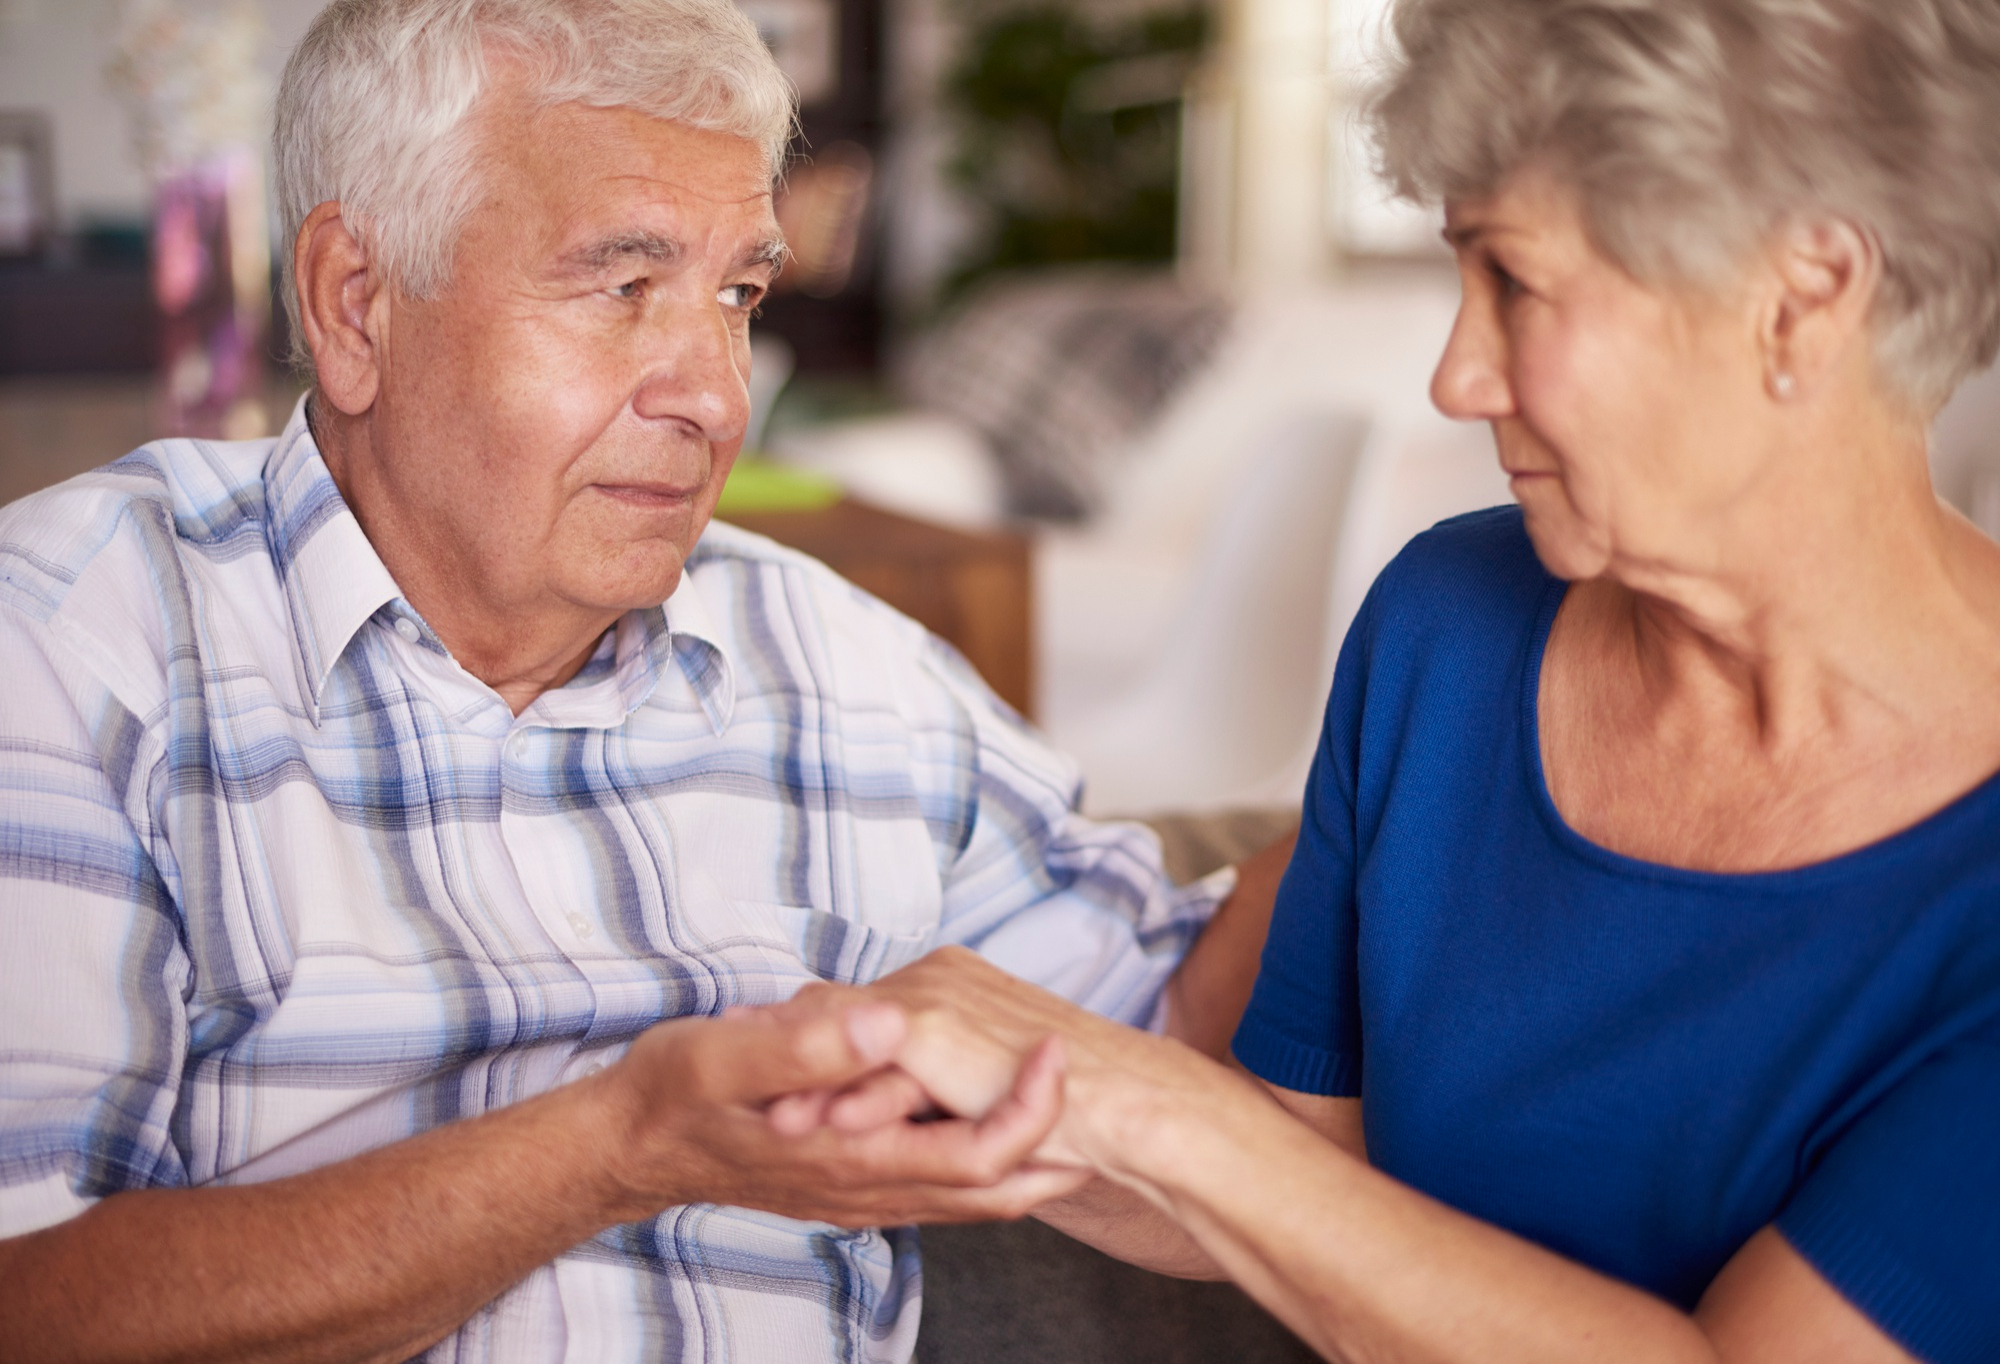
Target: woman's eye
x=1509, y=286
x=739, y=296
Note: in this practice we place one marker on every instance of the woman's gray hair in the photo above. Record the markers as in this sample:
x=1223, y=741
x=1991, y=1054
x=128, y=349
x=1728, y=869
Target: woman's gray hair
x=374, y=108
x=1692, y=129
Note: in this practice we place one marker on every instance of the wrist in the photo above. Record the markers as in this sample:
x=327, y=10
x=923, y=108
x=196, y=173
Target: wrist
x=617, y=1138
x=1139, y=1132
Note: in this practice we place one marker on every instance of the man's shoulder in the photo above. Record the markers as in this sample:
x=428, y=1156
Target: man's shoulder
x=101, y=570
x=793, y=622
x=730, y=551
x=120, y=525
x=722, y=542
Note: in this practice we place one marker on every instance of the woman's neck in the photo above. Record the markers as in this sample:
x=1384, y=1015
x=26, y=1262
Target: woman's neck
x=1840, y=576
x=1811, y=675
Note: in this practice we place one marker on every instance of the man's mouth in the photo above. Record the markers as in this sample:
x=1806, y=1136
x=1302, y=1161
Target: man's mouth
x=650, y=494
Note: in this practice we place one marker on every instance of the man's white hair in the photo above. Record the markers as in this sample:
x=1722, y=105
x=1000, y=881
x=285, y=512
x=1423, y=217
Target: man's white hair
x=375, y=107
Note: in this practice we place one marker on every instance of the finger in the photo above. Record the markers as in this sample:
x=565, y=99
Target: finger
x=794, y=1115
x=884, y=1097
x=758, y=1059
x=965, y=1154
x=963, y=1066
x=1028, y=1114
x=1014, y=1196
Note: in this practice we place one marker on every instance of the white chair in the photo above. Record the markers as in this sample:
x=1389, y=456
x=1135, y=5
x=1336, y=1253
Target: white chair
x=1227, y=714
x=1188, y=638
x=1222, y=702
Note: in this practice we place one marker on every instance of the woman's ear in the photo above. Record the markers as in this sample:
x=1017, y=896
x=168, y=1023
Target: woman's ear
x=342, y=310
x=1826, y=275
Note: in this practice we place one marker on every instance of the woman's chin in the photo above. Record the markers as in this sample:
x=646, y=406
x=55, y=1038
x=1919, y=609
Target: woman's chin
x=1567, y=549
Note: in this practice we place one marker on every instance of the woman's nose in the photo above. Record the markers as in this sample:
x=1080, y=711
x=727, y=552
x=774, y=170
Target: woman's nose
x=1471, y=380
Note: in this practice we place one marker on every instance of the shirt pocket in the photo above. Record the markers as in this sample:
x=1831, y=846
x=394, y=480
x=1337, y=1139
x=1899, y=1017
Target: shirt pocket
x=841, y=950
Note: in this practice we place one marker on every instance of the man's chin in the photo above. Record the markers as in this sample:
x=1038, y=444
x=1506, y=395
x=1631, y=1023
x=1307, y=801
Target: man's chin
x=629, y=582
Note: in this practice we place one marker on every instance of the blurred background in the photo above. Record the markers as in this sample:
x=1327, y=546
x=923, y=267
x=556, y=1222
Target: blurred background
x=1103, y=351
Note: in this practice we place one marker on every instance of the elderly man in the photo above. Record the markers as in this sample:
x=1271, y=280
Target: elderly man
x=369, y=795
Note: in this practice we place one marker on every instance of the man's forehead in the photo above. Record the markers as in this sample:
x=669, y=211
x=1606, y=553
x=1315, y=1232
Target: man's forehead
x=565, y=155
x=599, y=177
x=623, y=216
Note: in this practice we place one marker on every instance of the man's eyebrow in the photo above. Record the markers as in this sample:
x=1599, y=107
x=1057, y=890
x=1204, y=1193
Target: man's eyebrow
x=600, y=255
x=772, y=251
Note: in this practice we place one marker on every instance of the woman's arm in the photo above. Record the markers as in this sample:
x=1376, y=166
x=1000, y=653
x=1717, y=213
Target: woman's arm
x=1207, y=995
x=1119, y=1221
x=1361, y=1266
x=1366, y=1268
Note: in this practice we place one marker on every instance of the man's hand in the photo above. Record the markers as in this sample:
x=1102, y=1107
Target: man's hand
x=380, y=1256
x=732, y=1110
x=974, y=1029
x=975, y=1032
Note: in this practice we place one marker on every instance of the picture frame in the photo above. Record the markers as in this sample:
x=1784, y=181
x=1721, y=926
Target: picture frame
x=27, y=185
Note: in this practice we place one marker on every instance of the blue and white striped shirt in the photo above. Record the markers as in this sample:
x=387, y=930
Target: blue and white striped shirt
x=281, y=883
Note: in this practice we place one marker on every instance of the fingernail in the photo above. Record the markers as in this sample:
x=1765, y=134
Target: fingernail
x=876, y=1030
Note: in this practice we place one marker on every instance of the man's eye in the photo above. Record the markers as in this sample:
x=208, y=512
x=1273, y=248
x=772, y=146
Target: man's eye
x=739, y=296
x=635, y=288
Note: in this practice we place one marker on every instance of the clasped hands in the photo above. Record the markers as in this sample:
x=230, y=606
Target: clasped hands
x=947, y=1091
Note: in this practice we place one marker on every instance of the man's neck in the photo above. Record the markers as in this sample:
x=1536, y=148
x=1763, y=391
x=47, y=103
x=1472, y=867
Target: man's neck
x=518, y=648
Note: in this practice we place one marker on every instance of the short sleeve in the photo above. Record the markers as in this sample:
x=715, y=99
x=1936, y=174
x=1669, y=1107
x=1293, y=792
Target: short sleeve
x=1302, y=1030
x=92, y=972
x=1902, y=1212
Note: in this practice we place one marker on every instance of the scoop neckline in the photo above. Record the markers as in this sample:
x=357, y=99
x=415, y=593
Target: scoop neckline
x=1842, y=866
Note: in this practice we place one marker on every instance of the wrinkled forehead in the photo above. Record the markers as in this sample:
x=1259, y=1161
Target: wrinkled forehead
x=571, y=174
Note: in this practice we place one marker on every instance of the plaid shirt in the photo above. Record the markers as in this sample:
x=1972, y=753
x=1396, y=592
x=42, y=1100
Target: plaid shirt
x=280, y=882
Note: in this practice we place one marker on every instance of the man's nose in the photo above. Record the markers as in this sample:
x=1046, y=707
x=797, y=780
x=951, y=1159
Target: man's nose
x=1471, y=382
x=693, y=376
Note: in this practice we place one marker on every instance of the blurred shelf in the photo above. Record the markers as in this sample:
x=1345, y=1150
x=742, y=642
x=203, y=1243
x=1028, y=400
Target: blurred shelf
x=77, y=319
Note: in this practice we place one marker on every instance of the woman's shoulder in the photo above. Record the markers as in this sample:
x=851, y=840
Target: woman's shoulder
x=1472, y=553
x=1468, y=579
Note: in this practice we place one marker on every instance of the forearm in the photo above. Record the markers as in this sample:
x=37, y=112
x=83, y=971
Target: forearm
x=374, y=1258
x=1365, y=1268
x=1207, y=995
x=1120, y=1222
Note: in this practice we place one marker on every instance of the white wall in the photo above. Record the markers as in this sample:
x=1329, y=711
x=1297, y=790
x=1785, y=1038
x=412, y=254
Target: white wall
x=52, y=57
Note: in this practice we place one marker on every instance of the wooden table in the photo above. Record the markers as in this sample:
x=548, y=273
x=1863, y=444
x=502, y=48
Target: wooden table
x=974, y=588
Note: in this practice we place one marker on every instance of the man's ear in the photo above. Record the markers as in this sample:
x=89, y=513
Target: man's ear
x=1825, y=277
x=343, y=306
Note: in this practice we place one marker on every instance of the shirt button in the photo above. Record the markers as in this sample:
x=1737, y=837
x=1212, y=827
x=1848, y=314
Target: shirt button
x=407, y=628
x=517, y=745
x=581, y=925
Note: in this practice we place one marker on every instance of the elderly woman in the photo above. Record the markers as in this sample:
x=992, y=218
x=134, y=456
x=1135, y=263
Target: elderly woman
x=1634, y=991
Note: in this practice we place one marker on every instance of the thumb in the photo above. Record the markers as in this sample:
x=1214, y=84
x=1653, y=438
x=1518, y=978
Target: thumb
x=758, y=1057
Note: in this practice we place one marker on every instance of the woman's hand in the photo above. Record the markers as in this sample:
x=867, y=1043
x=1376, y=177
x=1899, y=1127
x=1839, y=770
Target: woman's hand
x=976, y=1035
x=973, y=1026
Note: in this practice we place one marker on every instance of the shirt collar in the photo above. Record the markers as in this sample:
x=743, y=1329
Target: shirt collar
x=697, y=647
x=333, y=582
x=332, y=579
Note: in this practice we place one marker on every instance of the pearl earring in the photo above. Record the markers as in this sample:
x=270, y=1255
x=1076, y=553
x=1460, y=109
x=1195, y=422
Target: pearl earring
x=1782, y=384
